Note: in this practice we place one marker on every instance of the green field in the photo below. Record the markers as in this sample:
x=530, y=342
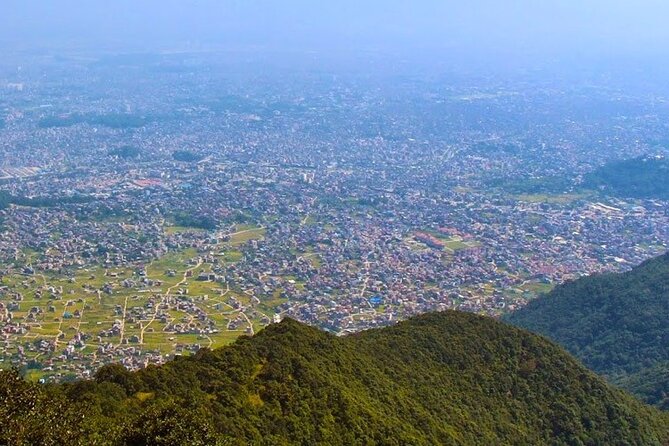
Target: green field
x=551, y=198
x=537, y=287
x=157, y=307
x=180, y=229
x=244, y=233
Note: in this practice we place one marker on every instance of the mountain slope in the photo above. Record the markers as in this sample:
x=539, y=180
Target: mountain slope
x=617, y=324
x=644, y=177
x=446, y=378
x=651, y=384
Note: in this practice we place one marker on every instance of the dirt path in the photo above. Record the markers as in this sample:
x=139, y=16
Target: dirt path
x=60, y=323
x=230, y=234
x=81, y=316
x=125, y=307
x=249, y=322
x=164, y=298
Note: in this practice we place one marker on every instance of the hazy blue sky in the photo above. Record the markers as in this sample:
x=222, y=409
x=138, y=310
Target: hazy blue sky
x=516, y=26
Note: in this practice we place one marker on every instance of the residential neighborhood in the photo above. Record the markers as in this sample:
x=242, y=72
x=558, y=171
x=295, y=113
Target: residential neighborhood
x=145, y=220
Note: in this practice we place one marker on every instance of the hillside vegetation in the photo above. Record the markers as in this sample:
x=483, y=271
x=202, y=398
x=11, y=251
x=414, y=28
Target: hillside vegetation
x=447, y=378
x=645, y=177
x=617, y=324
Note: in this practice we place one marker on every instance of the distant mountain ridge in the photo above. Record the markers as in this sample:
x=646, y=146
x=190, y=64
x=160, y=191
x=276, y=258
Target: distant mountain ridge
x=617, y=324
x=438, y=379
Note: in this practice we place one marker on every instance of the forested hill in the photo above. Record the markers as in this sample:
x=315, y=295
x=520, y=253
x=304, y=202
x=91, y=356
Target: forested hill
x=447, y=378
x=645, y=177
x=617, y=324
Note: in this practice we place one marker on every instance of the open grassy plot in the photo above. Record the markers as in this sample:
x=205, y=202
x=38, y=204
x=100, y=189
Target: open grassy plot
x=226, y=337
x=232, y=256
x=268, y=304
x=537, y=287
x=178, y=262
x=551, y=198
x=180, y=229
x=244, y=233
x=455, y=245
x=310, y=255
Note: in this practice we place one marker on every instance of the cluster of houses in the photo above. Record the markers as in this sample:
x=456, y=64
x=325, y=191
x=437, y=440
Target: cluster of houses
x=370, y=212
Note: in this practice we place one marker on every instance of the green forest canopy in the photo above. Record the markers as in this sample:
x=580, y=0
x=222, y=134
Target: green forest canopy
x=644, y=177
x=186, y=156
x=444, y=378
x=617, y=324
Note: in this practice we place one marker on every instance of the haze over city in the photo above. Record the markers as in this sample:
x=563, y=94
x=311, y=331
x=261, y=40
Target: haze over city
x=515, y=27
